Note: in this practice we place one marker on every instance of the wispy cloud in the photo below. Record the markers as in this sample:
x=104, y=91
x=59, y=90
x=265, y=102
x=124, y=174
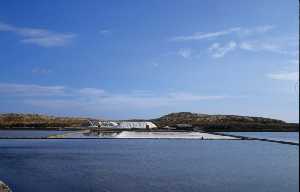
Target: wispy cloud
x=31, y=90
x=240, y=41
x=94, y=98
x=235, y=30
x=185, y=53
x=40, y=37
x=219, y=51
x=183, y=96
x=255, y=30
x=260, y=46
x=155, y=64
x=275, y=46
x=53, y=40
x=41, y=71
x=284, y=76
x=92, y=92
x=105, y=32
x=124, y=101
x=279, y=45
x=201, y=35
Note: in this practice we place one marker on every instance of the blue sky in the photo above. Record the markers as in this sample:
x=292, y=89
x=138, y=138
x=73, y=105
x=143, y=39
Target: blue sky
x=142, y=59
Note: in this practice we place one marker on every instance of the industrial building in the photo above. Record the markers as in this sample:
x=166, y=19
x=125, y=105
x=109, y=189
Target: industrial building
x=126, y=124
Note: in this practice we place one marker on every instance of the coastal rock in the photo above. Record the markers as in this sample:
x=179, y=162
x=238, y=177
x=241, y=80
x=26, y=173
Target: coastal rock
x=4, y=187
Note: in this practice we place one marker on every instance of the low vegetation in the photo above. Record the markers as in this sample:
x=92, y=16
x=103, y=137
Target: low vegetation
x=223, y=122
x=183, y=120
x=17, y=120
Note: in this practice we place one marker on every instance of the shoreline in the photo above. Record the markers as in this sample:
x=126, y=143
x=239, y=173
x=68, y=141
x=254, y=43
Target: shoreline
x=141, y=130
x=150, y=134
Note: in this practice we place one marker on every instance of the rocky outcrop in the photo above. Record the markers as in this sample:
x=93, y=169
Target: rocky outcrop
x=4, y=187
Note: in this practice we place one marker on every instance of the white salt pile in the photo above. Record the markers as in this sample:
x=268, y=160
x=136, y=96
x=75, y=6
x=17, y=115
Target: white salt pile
x=170, y=135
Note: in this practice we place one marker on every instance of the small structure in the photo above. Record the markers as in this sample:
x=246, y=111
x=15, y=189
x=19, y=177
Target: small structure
x=107, y=124
x=126, y=125
x=136, y=125
x=92, y=124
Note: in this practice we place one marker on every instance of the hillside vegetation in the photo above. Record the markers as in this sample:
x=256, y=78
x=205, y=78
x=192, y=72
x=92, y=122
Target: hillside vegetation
x=195, y=121
x=17, y=120
x=224, y=122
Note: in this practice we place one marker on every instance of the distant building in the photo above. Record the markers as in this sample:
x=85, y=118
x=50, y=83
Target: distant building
x=127, y=125
x=107, y=124
x=136, y=125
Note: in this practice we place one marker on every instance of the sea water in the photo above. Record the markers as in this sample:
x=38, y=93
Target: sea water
x=282, y=136
x=29, y=133
x=148, y=165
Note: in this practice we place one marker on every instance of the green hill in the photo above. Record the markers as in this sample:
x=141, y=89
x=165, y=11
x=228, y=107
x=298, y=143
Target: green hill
x=223, y=122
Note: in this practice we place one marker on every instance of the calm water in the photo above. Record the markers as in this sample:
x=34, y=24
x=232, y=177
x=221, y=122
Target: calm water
x=28, y=133
x=148, y=165
x=285, y=136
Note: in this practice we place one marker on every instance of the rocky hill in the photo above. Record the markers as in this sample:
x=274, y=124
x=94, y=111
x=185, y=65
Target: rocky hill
x=18, y=120
x=224, y=122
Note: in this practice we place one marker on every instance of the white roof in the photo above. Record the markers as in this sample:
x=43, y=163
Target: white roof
x=108, y=123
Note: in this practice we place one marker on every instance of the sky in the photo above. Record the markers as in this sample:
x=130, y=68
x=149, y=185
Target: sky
x=146, y=58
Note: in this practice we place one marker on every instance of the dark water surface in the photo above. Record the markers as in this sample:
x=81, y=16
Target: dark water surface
x=29, y=133
x=148, y=165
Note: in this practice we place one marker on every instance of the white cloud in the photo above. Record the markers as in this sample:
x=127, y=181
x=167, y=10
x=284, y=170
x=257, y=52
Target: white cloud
x=92, y=92
x=41, y=71
x=219, y=51
x=285, y=45
x=214, y=46
x=185, y=52
x=255, y=30
x=105, y=32
x=258, y=46
x=200, y=35
x=237, y=30
x=6, y=27
x=247, y=46
x=56, y=104
x=30, y=90
x=127, y=101
x=263, y=29
x=182, y=96
x=40, y=37
x=93, y=98
x=284, y=76
x=155, y=64
x=50, y=41
x=274, y=45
